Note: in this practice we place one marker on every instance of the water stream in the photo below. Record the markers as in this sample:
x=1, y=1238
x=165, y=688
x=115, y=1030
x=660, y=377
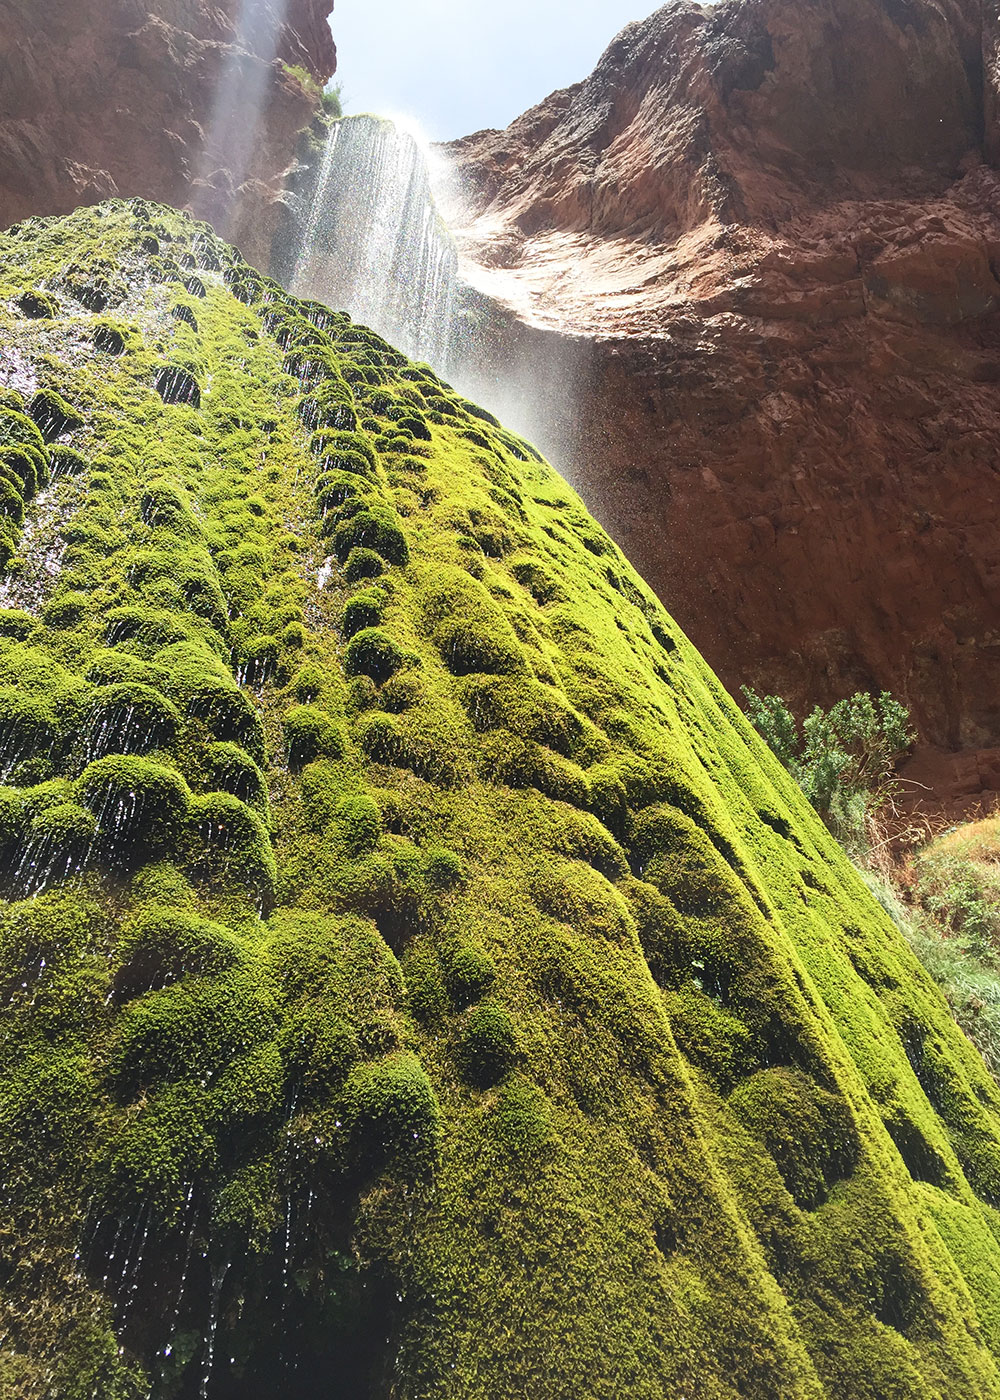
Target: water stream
x=373, y=243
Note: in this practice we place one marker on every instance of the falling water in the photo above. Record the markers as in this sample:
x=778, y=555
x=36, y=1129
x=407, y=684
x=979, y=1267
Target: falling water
x=374, y=244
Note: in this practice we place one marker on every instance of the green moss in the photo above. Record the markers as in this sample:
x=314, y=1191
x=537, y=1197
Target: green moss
x=139, y=805
x=228, y=839
x=164, y=945
x=530, y=976
x=488, y=1048
x=443, y=869
x=376, y=530
x=16, y=624
x=229, y=769
x=310, y=734
x=130, y=719
x=362, y=611
x=38, y=305
x=373, y=653
x=394, y=1113
x=363, y=563
x=53, y=415
x=320, y=1049
x=808, y=1131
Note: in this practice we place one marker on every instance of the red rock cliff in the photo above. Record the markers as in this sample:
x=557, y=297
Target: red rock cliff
x=751, y=267
x=184, y=101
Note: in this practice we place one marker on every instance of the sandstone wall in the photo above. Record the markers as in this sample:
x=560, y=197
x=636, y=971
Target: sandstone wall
x=102, y=98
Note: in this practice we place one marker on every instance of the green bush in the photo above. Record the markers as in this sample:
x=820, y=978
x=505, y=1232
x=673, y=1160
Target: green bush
x=844, y=759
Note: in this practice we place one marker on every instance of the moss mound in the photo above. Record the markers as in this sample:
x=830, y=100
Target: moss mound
x=417, y=979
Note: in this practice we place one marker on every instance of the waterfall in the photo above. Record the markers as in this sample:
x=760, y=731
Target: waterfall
x=373, y=243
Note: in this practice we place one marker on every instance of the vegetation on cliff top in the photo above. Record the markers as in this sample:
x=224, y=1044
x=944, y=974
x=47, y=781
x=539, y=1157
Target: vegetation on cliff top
x=418, y=978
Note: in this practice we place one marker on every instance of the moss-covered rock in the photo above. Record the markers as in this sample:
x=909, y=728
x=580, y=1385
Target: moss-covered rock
x=392, y=940
x=139, y=805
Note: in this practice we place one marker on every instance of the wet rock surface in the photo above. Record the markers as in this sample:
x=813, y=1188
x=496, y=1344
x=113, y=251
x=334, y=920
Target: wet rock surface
x=181, y=100
x=760, y=246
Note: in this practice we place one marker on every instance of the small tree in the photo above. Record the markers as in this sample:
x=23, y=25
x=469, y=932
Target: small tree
x=844, y=759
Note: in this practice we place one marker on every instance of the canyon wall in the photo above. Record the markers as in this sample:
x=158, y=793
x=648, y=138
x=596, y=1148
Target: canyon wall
x=198, y=104
x=752, y=263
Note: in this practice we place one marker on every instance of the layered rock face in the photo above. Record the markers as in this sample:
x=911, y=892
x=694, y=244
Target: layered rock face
x=752, y=261
x=184, y=100
x=417, y=980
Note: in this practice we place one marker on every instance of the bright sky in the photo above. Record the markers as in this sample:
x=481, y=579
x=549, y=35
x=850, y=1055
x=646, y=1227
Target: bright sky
x=456, y=66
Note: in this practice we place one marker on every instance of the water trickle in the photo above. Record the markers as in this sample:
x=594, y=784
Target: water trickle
x=374, y=244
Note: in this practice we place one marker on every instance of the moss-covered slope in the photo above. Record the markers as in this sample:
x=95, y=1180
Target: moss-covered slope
x=417, y=980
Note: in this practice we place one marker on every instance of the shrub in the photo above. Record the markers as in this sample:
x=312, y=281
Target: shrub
x=844, y=759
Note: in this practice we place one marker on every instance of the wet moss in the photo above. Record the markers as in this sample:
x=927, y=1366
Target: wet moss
x=53, y=415
x=499, y=987
x=311, y=734
x=139, y=805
